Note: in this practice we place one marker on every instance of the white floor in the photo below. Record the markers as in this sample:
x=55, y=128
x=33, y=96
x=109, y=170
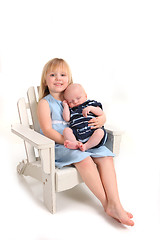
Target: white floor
x=79, y=215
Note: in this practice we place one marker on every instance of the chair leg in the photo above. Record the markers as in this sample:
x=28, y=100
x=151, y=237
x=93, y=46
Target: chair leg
x=30, y=169
x=49, y=193
x=48, y=178
x=21, y=167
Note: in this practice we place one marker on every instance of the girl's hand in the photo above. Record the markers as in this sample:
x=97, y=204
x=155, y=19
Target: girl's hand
x=97, y=122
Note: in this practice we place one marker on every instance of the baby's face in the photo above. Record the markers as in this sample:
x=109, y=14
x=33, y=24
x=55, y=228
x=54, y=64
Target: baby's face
x=75, y=97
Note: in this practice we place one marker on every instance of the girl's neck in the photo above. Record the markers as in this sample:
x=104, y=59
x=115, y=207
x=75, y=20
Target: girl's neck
x=58, y=96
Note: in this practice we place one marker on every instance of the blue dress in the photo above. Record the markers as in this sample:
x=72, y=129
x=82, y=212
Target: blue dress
x=65, y=156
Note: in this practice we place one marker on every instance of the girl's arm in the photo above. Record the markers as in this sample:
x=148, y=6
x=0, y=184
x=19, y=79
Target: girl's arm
x=43, y=113
x=66, y=112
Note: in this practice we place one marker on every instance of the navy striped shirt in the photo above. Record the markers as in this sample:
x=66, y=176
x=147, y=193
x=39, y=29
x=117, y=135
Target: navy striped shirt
x=79, y=123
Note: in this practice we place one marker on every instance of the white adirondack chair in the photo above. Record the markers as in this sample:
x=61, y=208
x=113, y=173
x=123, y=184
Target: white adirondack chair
x=42, y=167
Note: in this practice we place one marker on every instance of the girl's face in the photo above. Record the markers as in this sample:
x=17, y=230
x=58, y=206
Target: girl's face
x=57, y=81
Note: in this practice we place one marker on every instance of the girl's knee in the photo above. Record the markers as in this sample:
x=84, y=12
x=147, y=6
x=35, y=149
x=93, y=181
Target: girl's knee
x=101, y=160
x=87, y=163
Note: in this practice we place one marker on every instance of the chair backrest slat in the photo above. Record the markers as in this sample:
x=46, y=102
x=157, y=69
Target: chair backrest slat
x=22, y=110
x=24, y=120
x=33, y=108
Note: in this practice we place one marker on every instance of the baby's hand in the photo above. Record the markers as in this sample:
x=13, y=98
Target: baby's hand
x=86, y=111
x=65, y=103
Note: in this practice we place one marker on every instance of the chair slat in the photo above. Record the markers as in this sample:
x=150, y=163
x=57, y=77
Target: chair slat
x=22, y=110
x=33, y=107
x=38, y=87
x=24, y=120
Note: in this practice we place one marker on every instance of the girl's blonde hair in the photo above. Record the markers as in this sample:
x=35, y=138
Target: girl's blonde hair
x=51, y=66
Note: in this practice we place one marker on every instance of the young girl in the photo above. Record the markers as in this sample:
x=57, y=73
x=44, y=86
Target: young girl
x=94, y=165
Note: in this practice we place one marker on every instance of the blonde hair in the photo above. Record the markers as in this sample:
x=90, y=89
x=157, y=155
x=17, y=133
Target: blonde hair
x=49, y=67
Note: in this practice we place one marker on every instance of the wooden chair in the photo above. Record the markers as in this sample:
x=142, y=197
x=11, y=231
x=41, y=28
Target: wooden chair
x=40, y=163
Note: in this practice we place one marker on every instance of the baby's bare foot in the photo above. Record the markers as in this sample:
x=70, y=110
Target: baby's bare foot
x=81, y=146
x=71, y=145
x=120, y=214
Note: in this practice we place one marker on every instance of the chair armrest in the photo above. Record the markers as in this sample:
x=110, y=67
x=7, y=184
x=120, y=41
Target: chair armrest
x=113, y=139
x=36, y=139
x=113, y=130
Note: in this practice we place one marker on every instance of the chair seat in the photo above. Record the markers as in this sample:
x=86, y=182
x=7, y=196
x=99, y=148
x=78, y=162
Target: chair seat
x=66, y=178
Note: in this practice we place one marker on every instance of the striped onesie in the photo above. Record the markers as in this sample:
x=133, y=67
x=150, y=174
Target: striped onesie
x=79, y=123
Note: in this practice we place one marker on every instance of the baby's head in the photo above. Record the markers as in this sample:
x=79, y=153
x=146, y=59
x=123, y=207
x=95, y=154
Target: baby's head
x=75, y=95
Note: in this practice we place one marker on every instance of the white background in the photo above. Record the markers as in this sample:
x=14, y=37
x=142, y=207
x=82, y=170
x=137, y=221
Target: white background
x=113, y=49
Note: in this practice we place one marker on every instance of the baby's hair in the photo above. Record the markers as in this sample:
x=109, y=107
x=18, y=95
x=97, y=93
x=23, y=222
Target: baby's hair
x=49, y=67
x=73, y=86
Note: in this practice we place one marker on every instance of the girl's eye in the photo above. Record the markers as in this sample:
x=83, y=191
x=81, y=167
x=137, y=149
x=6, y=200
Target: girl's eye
x=52, y=75
x=63, y=75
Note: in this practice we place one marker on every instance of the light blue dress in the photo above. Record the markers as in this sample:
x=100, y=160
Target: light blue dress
x=65, y=156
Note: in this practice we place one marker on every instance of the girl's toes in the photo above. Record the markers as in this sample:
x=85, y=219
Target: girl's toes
x=129, y=215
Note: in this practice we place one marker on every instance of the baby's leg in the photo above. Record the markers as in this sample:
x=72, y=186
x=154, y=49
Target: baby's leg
x=93, y=141
x=69, y=139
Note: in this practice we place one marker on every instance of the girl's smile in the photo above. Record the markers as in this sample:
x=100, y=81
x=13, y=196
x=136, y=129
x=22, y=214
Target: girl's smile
x=58, y=84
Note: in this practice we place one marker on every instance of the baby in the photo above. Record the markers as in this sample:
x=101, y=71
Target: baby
x=78, y=111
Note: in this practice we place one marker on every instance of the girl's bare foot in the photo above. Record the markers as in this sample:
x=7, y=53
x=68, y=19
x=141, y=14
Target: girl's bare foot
x=129, y=214
x=120, y=214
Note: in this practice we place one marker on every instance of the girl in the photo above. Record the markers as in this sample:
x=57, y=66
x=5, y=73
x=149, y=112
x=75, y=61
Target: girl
x=94, y=165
